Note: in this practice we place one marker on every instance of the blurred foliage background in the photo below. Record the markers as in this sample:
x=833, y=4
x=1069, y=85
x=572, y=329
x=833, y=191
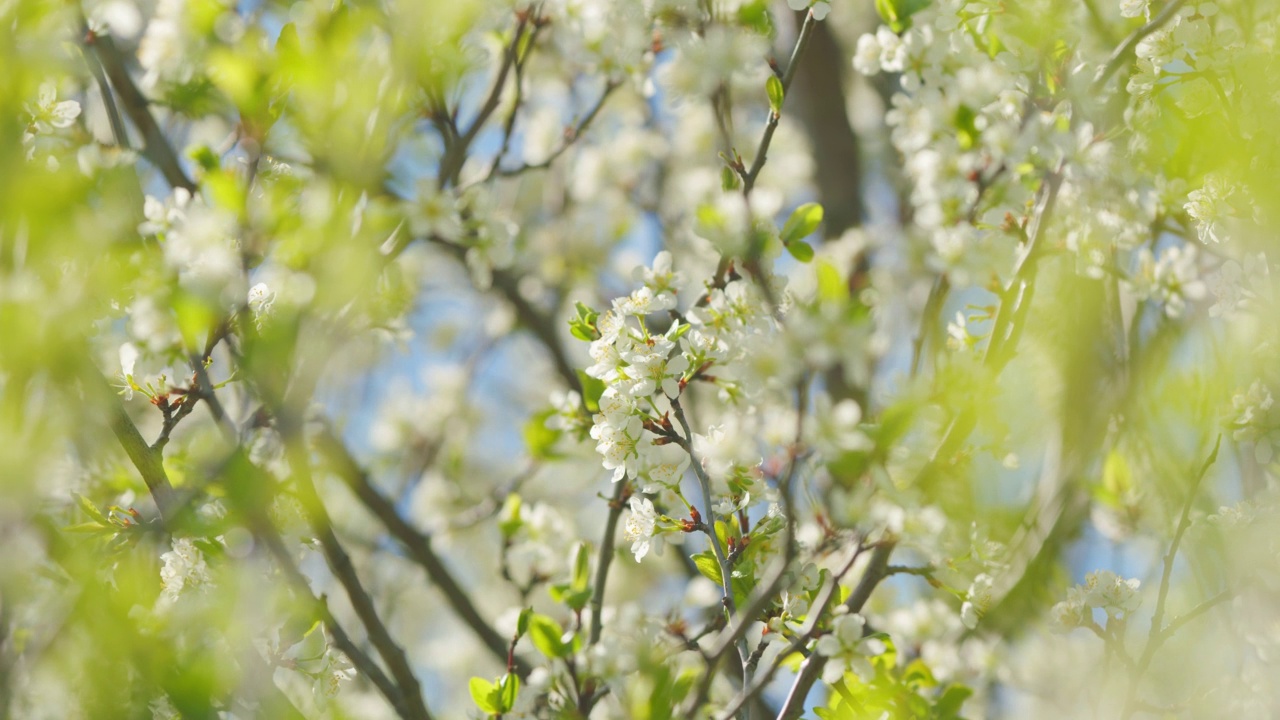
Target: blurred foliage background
x=293, y=421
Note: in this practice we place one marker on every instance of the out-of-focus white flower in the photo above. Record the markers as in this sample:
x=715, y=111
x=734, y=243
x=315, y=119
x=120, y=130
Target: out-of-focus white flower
x=1114, y=594
x=184, y=569
x=866, y=57
x=260, y=299
x=1209, y=206
x=49, y=113
x=845, y=648
x=1070, y=613
x=978, y=600
x=1135, y=8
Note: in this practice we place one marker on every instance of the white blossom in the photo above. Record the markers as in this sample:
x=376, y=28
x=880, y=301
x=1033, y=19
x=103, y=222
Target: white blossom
x=642, y=528
x=184, y=569
x=845, y=648
x=49, y=113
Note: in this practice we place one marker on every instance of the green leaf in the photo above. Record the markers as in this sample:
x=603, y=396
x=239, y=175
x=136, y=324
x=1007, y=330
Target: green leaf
x=509, y=520
x=728, y=179
x=313, y=644
x=948, y=706
x=547, y=635
x=91, y=510
x=483, y=694
x=773, y=86
x=801, y=251
x=583, y=326
x=918, y=675
x=897, y=13
x=888, y=11
x=830, y=285
x=755, y=16
x=86, y=528
x=522, y=623
x=205, y=157
x=582, y=567
x=539, y=438
x=1117, y=480
x=966, y=124
x=803, y=221
x=708, y=565
x=565, y=594
x=722, y=533
x=508, y=690
x=592, y=389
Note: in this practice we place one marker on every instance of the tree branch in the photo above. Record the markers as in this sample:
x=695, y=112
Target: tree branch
x=155, y=146
x=1121, y=54
x=416, y=543
x=812, y=667
x=456, y=153
x=802, y=41
x=1157, y=634
x=392, y=654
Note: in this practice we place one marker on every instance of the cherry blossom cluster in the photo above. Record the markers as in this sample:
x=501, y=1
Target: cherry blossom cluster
x=1117, y=596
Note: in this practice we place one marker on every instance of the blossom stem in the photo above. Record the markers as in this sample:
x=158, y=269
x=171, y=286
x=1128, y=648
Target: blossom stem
x=709, y=527
x=726, y=570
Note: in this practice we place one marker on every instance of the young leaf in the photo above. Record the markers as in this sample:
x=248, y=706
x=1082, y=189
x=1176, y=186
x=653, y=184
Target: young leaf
x=948, y=706
x=508, y=690
x=546, y=635
x=708, y=565
x=773, y=86
x=522, y=623
x=539, y=438
x=582, y=567
x=803, y=221
x=509, y=520
x=728, y=179
x=592, y=389
x=91, y=510
x=483, y=694
x=801, y=251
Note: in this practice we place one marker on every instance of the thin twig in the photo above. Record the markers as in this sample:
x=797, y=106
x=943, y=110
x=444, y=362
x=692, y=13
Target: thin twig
x=812, y=667
x=340, y=563
x=805, y=634
x=155, y=146
x=571, y=135
x=1204, y=607
x=148, y=461
x=104, y=88
x=604, y=559
x=762, y=152
x=928, y=317
x=262, y=529
x=1156, y=635
x=416, y=543
x=763, y=594
x=508, y=126
x=1122, y=52
x=709, y=524
x=456, y=154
